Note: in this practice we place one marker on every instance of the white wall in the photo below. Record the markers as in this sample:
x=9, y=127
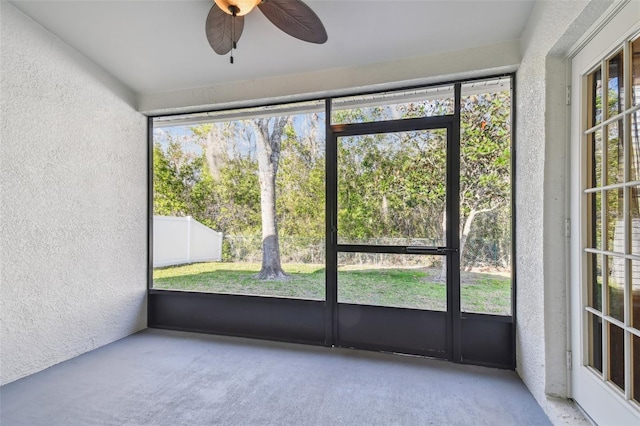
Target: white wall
x=541, y=170
x=469, y=63
x=178, y=240
x=73, y=202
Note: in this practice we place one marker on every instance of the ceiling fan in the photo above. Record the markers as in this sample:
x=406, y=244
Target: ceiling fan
x=225, y=21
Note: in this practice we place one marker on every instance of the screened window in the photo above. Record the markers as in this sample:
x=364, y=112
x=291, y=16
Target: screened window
x=239, y=198
x=239, y=202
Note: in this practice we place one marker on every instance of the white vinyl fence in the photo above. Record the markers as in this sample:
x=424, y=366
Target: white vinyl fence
x=178, y=240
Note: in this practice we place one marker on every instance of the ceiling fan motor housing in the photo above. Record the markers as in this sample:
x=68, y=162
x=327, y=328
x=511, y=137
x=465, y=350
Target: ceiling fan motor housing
x=240, y=7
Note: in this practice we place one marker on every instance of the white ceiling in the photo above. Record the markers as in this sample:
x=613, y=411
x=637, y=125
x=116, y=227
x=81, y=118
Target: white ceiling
x=159, y=46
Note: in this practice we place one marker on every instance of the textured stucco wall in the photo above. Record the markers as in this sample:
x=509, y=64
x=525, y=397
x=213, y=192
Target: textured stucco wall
x=73, y=202
x=541, y=171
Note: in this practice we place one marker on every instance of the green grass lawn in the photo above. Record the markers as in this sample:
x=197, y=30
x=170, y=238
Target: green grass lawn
x=401, y=287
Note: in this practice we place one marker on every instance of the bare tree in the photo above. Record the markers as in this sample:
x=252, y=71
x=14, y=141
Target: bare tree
x=269, y=132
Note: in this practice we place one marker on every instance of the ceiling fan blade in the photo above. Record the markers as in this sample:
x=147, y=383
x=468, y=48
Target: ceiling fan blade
x=220, y=27
x=295, y=18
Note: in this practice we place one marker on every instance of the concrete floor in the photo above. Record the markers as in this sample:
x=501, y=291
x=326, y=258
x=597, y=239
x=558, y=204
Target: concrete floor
x=159, y=377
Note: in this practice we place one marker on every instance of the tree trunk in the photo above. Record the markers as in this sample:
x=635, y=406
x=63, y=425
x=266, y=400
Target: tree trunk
x=385, y=209
x=464, y=235
x=268, y=154
x=466, y=229
x=215, y=150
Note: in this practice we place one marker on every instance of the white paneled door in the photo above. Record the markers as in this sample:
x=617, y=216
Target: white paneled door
x=605, y=211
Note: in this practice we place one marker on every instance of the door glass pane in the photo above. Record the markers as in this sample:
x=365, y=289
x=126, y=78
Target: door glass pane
x=393, y=280
x=231, y=218
x=635, y=295
x=595, y=159
x=595, y=81
x=636, y=367
x=616, y=355
x=615, y=153
x=634, y=213
x=485, y=199
x=594, y=266
x=594, y=200
x=392, y=188
x=615, y=274
x=615, y=220
x=615, y=103
x=595, y=342
x=634, y=160
x=415, y=103
x=635, y=64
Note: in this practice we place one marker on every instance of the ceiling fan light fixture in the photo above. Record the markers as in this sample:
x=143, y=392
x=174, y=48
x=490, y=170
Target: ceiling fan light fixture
x=225, y=21
x=242, y=7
